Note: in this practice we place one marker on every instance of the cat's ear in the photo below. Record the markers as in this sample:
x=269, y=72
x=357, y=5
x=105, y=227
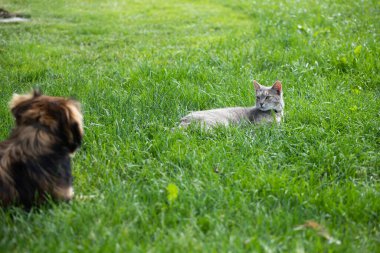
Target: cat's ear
x=277, y=86
x=256, y=85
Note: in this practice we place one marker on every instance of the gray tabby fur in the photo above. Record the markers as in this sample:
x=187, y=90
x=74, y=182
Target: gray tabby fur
x=269, y=108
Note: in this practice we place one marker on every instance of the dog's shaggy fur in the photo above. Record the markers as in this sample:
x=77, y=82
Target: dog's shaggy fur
x=35, y=159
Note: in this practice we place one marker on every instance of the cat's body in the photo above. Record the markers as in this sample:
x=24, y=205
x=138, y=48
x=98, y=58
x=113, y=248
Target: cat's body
x=269, y=108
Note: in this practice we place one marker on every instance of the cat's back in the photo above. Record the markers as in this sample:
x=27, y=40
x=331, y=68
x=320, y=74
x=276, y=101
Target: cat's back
x=222, y=116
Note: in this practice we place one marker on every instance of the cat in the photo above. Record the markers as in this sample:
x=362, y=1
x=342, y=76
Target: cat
x=269, y=108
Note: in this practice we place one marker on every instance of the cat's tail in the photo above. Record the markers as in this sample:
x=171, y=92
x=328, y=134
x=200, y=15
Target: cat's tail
x=185, y=122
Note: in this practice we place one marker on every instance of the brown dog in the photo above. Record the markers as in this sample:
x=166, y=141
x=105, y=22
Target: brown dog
x=35, y=159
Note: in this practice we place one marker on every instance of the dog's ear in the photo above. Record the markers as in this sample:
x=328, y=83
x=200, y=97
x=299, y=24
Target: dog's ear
x=73, y=126
x=76, y=137
x=19, y=99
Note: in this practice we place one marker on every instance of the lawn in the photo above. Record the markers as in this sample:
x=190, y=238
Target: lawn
x=311, y=184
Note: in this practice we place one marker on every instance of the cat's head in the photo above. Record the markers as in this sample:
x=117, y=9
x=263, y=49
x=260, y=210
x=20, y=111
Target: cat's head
x=269, y=98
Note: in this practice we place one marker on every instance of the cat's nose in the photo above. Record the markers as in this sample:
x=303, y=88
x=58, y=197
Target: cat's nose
x=261, y=104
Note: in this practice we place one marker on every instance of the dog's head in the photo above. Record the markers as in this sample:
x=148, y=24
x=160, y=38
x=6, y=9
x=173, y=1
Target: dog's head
x=60, y=116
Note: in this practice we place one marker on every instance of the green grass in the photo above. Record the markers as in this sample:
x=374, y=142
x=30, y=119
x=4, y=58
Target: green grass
x=138, y=66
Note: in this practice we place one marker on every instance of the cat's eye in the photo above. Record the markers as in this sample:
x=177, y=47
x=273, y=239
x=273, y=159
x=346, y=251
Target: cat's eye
x=257, y=97
x=267, y=97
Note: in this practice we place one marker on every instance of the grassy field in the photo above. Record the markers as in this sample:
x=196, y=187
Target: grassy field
x=138, y=66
